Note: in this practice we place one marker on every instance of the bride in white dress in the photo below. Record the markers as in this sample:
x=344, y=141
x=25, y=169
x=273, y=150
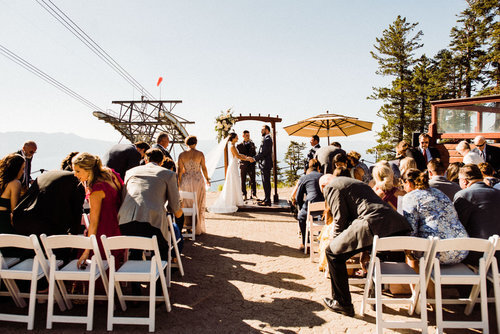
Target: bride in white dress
x=231, y=196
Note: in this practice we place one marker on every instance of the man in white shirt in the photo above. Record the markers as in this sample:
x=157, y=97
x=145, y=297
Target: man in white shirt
x=470, y=157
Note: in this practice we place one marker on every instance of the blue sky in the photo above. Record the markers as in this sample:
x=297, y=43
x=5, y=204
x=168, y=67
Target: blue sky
x=289, y=58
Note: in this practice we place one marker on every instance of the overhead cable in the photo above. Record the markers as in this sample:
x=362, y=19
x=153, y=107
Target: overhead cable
x=69, y=24
x=44, y=76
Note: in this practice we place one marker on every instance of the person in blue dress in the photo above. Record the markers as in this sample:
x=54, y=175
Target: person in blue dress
x=431, y=213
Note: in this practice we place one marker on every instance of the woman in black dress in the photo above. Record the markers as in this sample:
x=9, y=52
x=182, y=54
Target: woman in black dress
x=11, y=170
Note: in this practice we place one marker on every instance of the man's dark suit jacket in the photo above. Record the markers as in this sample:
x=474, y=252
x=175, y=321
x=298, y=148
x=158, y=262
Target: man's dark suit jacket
x=265, y=155
x=246, y=148
x=478, y=209
x=165, y=153
x=419, y=157
x=492, y=156
x=52, y=205
x=308, y=185
x=122, y=157
x=359, y=214
x=325, y=155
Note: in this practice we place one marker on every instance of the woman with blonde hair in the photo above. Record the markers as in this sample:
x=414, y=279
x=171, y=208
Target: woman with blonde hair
x=384, y=184
x=103, y=187
x=406, y=164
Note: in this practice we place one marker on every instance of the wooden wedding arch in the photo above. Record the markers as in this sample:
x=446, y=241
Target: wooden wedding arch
x=266, y=119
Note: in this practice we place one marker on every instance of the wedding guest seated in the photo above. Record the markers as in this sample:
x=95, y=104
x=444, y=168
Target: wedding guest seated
x=66, y=164
x=325, y=156
x=122, y=157
x=143, y=213
x=340, y=161
x=431, y=213
x=438, y=181
x=169, y=164
x=452, y=171
x=488, y=174
x=401, y=150
x=103, y=187
x=308, y=186
x=470, y=157
x=52, y=205
x=11, y=172
x=359, y=170
x=406, y=164
x=477, y=206
x=384, y=185
x=358, y=215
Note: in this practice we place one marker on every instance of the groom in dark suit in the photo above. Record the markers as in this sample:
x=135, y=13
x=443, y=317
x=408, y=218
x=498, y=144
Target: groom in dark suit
x=265, y=159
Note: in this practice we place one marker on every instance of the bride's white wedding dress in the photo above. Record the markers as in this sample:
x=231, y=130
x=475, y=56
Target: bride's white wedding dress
x=231, y=196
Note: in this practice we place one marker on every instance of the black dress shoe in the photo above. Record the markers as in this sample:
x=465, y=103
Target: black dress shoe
x=264, y=204
x=336, y=307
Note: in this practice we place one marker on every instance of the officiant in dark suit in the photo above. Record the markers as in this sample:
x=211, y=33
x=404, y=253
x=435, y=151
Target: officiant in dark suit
x=247, y=147
x=265, y=159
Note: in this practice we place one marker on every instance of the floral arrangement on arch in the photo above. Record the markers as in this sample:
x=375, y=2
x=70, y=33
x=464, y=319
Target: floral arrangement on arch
x=223, y=124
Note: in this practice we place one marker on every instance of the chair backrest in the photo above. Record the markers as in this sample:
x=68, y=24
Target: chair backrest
x=124, y=242
x=71, y=241
x=470, y=244
x=402, y=243
x=16, y=241
x=316, y=206
x=188, y=195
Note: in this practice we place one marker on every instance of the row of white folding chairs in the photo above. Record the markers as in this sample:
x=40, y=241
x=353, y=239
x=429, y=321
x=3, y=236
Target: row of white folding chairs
x=35, y=268
x=380, y=273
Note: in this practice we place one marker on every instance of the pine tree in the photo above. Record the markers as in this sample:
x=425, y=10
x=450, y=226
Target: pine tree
x=294, y=158
x=395, y=57
x=467, y=41
x=445, y=79
x=488, y=13
x=423, y=93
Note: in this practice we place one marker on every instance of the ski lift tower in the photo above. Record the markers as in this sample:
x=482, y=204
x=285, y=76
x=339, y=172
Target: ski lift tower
x=145, y=119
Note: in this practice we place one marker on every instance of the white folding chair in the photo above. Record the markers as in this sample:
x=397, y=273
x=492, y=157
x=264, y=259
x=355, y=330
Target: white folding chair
x=494, y=277
x=30, y=269
x=190, y=211
x=135, y=271
x=173, y=244
x=94, y=269
x=461, y=274
x=380, y=273
x=313, y=228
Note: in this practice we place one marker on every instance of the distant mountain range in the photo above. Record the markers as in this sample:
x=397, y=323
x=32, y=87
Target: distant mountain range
x=54, y=147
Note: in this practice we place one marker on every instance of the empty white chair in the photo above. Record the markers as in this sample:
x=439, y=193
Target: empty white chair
x=92, y=270
x=135, y=271
x=313, y=228
x=30, y=269
x=380, y=273
x=190, y=211
x=461, y=274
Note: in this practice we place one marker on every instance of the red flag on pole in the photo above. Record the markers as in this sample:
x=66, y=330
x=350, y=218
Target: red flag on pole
x=160, y=79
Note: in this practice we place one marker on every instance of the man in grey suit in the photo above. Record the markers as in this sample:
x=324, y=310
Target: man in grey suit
x=439, y=181
x=477, y=205
x=325, y=156
x=358, y=215
x=147, y=189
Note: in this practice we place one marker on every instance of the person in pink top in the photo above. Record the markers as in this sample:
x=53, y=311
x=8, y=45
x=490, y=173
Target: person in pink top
x=104, y=188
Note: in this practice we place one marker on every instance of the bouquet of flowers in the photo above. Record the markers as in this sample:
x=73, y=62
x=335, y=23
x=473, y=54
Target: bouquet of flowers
x=223, y=124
